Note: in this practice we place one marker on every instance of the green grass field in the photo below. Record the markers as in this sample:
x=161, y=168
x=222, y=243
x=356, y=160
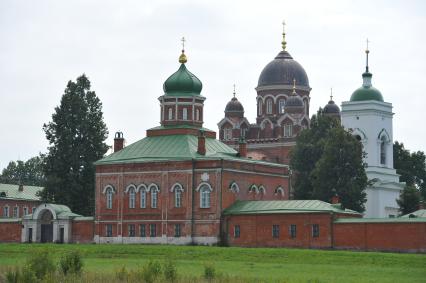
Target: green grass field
x=264, y=265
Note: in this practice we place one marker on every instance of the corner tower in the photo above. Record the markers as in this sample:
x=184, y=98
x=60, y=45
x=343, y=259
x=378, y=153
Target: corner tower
x=370, y=120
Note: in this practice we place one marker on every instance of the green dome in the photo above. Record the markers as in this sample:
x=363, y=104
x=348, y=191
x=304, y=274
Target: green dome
x=182, y=83
x=367, y=91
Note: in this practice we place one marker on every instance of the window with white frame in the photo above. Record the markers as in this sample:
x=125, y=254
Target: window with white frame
x=143, y=198
x=288, y=130
x=259, y=107
x=132, y=230
x=269, y=106
x=275, y=231
x=281, y=106
x=170, y=114
x=197, y=114
x=205, y=191
x=237, y=231
x=178, y=195
x=243, y=132
x=108, y=230
x=132, y=198
x=184, y=114
x=109, y=194
x=178, y=230
x=6, y=211
x=154, y=196
x=34, y=209
x=15, y=212
x=292, y=231
x=25, y=210
x=227, y=134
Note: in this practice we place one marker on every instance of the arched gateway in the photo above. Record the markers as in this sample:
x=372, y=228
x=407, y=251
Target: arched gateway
x=49, y=223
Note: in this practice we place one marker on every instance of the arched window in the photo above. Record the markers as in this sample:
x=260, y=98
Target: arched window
x=197, y=114
x=170, y=114
x=269, y=106
x=184, y=114
x=143, y=198
x=234, y=188
x=281, y=105
x=132, y=198
x=178, y=197
x=154, y=195
x=205, y=191
x=383, y=150
x=262, y=190
x=259, y=107
x=253, y=189
x=109, y=194
x=279, y=191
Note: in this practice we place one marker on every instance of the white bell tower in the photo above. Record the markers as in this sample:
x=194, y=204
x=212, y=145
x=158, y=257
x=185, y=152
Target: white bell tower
x=370, y=120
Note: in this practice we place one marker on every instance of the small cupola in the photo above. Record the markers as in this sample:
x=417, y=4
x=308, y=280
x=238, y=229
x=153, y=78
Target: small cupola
x=367, y=91
x=294, y=103
x=234, y=108
x=331, y=109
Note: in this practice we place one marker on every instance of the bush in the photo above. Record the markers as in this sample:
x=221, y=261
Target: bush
x=71, y=262
x=13, y=275
x=151, y=271
x=122, y=274
x=170, y=271
x=209, y=271
x=27, y=275
x=40, y=263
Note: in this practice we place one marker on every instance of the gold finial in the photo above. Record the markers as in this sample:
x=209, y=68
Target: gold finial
x=234, y=91
x=283, y=43
x=182, y=57
x=331, y=93
x=294, y=86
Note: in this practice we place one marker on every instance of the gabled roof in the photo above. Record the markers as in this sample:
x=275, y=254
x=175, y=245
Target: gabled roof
x=284, y=206
x=12, y=192
x=174, y=148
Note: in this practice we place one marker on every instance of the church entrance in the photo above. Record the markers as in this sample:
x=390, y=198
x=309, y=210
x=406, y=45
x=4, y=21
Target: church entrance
x=46, y=227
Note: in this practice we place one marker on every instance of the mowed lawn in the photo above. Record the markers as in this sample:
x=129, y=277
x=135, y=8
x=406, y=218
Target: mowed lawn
x=265, y=264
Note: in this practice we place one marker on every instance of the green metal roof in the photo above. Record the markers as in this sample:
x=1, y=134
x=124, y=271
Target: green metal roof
x=284, y=206
x=12, y=192
x=174, y=148
x=367, y=93
x=418, y=213
x=379, y=220
x=182, y=83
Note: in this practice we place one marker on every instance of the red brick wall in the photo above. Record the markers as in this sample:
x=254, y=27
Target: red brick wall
x=10, y=232
x=20, y=204
x=256, y=230
x=82, y=231
x=381, y=236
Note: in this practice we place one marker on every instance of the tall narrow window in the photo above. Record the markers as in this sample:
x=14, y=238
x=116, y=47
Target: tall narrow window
x=292, y=231
x=15, y=212
x=269, y=106
x=6, y=211
x=281, y=105
x=197, y=114
x=383, y=151
x=154, y=198
x=142, y=230
x=34, y=209
x=143, y=198
x=259, y=107
x=288, y=130
x=184, y=114
x=205, y=196
x=25, y=210
x=275, y=231
x=315, y=230
x=109, y=198
x=177, y=230
x=132, y=230
x=237, y=231
x=152, y=230
x=170, y=114
x=132, y=198
x=109, y=230
x=178, y=196
x=227, y=134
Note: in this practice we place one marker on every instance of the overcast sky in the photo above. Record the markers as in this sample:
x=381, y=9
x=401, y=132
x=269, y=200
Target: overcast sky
x=129, y=48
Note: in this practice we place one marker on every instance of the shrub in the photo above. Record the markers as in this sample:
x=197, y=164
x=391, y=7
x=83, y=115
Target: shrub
x=71, y=262
x=13, y=275
x=170, y=271
x=151, y=271
x=122, y=274
x=209, y=271
x=27, y=275
x=40, y=263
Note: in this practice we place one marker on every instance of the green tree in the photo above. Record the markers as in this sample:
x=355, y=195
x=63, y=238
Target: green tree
x=409, y=199
x=76, y=135
x=28, y=173
x=411, y=166
x=328, y=159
